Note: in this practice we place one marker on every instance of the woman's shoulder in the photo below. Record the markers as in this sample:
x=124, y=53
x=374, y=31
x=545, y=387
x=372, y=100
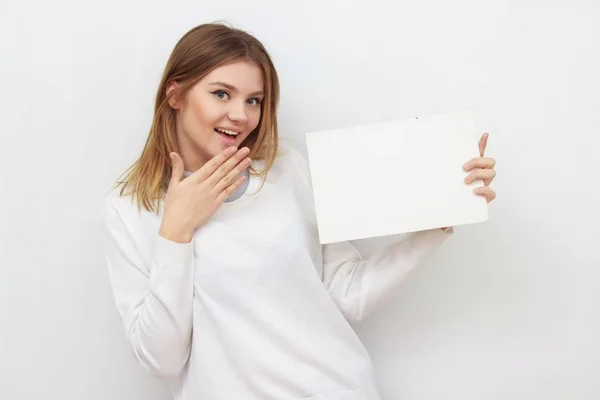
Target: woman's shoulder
x=121, y=206
x=292, y=159
x=295, y=166
x=117, y=199
x=116, y=206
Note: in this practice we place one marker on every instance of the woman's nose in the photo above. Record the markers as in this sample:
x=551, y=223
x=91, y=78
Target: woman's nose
x=237, y=112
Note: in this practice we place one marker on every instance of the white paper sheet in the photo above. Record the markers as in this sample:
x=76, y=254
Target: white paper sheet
x=394, y=177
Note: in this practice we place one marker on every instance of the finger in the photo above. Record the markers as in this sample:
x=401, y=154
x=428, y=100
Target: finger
x=177, y=168
x=483, y=143
x=230, y=178
x=213, y=164
x=227, y=167
x=487, y=192
x=224, y=195
x=487, y=175
x=480, y=162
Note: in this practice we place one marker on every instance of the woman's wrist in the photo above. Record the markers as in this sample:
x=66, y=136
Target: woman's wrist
x=175, y=235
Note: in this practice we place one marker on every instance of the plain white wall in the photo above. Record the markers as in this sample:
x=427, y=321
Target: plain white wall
x=509, y=309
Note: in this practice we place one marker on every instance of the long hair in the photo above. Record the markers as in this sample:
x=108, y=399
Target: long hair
x=196, y=54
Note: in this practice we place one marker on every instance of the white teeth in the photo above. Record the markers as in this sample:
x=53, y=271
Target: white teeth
x=228, y=132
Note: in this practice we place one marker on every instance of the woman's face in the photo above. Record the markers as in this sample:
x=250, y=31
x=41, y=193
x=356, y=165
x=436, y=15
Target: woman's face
x=219, y=111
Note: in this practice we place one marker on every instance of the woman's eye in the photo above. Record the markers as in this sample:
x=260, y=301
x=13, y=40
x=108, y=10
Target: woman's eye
x=221, y=94
x=254, y=101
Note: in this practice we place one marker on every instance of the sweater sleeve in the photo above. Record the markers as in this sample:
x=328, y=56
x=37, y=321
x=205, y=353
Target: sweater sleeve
x=154, y=301
x=358, y=286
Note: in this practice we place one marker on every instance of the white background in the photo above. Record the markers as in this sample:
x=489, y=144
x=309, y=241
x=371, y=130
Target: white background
x=509, y=309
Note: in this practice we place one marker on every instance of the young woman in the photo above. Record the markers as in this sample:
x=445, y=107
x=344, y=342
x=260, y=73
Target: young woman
x=212, y=243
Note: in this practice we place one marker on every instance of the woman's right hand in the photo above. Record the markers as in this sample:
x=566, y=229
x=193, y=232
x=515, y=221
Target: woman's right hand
x=190, y=202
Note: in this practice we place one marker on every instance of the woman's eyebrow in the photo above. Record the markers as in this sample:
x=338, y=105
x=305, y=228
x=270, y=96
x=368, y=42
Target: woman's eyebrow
x=234, y=89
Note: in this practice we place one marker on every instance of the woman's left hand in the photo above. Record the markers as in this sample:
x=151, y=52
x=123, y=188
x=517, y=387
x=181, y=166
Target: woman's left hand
x=483, y=169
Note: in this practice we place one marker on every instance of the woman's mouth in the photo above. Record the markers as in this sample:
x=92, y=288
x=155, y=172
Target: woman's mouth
x=228, y=135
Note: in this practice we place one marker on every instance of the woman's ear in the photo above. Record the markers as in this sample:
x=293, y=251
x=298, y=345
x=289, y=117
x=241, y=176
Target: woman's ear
x=174, y=101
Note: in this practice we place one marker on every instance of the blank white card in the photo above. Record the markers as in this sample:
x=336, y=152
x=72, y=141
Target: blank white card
x=394, y=177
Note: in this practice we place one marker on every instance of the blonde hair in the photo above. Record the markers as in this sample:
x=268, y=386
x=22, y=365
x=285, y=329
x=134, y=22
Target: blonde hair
x=197, y=53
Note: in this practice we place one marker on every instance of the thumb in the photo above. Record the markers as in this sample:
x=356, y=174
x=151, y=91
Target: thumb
x=177, y=166
x=483, y=144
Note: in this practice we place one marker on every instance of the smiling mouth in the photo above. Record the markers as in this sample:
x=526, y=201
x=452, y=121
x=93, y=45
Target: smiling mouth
x=227, y=132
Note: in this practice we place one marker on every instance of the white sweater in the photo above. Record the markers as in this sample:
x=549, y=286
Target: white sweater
x=254, y=308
